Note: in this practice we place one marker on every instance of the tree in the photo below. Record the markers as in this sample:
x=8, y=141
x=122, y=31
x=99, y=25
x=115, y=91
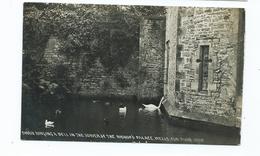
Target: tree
x=79, y=29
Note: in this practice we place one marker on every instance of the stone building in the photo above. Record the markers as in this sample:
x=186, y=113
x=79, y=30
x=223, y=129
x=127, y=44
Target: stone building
x=204, y=64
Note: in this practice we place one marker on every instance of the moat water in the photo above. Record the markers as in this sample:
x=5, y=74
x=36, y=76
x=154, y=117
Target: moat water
x=97, y=117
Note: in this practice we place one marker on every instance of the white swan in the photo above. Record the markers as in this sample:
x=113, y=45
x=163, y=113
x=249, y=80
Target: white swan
x=57, y=112
x=95, y=101
x=49, y=124
x=152, y=107
x=122, y=111
x=107, y=103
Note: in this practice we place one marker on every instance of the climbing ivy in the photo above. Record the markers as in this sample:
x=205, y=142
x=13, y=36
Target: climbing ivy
x=84, y=34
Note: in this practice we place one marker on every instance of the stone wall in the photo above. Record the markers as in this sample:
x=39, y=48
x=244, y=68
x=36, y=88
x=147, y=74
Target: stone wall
x=141, y=75
x=98, y=82
x=170, y=57
x=220, y=31
x=151, y=57
x=94, y=79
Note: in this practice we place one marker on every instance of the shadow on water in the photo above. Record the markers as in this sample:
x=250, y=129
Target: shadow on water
x=104, y=117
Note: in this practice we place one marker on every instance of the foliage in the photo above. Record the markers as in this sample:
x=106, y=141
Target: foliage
x=84, y=34
x=78, y=25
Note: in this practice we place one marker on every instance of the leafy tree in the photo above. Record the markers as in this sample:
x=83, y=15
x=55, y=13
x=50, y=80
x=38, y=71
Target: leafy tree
x=81, y=30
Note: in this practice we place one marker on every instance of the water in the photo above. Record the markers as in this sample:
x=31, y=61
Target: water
x=103, y=117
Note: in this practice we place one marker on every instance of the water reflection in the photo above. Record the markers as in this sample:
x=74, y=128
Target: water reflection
x=120, y=117
x=96, y=116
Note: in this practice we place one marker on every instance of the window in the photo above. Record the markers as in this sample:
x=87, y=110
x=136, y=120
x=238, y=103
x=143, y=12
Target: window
x=167, y=62
x=177, y=85
x=203, y=67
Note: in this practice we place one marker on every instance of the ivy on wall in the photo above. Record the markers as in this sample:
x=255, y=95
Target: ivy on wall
x=85, y=33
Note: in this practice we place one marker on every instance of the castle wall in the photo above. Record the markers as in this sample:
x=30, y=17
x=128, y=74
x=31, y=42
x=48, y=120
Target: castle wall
x=212, y=95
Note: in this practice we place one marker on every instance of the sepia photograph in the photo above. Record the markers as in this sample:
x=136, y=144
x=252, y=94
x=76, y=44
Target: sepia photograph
x=132, y=73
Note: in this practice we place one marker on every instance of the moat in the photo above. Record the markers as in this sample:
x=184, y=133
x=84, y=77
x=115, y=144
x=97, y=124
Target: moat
x=97, y=118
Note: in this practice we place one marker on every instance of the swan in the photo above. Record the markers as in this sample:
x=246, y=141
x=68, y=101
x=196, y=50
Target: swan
x=122, y=110
x=95, y=101
x=57, y=112
x=49, y=124
x=107, y=103
x=152, y=107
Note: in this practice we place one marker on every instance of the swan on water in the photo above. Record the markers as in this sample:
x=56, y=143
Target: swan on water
x=107, y=103
x=122, y=110
x=57, y=112
x=95, y=101
x=153, y=107
x=49, y=124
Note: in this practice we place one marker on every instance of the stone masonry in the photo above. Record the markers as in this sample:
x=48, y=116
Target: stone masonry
x=214, y=95
x=141, y=77
x=151, y=57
